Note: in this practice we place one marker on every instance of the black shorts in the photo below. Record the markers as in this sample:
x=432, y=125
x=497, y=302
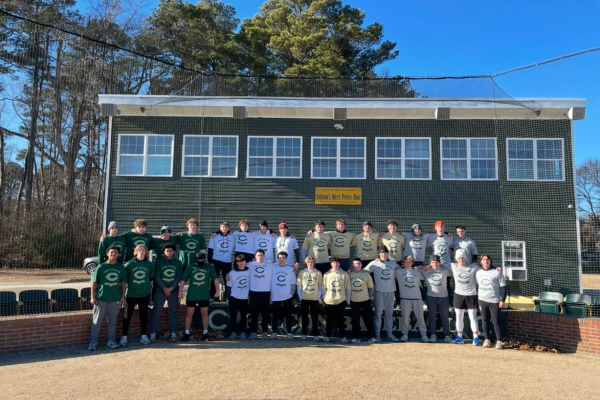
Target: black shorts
x=201, y=303
x=465, y=302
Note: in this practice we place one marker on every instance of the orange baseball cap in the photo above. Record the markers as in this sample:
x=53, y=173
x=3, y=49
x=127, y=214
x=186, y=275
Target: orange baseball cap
x=438, y=223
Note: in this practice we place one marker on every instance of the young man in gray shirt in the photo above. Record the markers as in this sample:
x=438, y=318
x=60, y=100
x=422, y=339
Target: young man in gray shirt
x=385, y=288
x=436, y=278
x=491, y=295
x=409, y=283
x=461, y=241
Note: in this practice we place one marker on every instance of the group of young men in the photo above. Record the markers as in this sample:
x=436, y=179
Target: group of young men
x=267, y=272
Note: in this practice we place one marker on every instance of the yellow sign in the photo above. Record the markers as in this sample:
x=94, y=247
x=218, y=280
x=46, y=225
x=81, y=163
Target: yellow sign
x=351, y=196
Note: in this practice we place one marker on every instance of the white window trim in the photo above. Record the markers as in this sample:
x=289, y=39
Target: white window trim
x=145, y=155
x=274, y=157
x=338, y=157
x=210, y=156
x=402, y=159
x=468, y=159
x=524, y=267
x=535, y=160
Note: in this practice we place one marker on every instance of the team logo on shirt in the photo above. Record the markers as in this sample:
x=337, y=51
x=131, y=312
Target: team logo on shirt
x=486, y=282
x=199, y=276
x=442, y=249
x=310, y=282
x=357, y=283
x=339, y=241
x=416, y=243
x=392, y=246
x=409, y=279
x=320, y=244
x=281, y=278
x=243, y=239
x=386, y=272
x=224, y=245
x=169, y=273
x=437, y=279
x=191, y=244
x=243, y=281
x=260, y=269
x=463, y=275
x=263, y=244
x=335, y=284
x=118, y=245
x=367, y=243
x=139, y=242
x=112, y=277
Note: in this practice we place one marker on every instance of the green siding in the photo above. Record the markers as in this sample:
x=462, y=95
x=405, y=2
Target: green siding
x=535, y=212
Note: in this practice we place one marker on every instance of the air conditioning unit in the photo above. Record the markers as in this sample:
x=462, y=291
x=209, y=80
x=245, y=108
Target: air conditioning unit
x=515, y=274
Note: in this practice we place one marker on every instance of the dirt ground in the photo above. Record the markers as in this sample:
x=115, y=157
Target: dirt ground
x=591, y=281
x=295, y=370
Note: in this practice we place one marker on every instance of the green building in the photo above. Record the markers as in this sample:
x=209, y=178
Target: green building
x=502, y=168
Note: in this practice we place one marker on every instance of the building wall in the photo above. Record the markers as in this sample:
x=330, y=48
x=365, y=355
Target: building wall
x=536, y=212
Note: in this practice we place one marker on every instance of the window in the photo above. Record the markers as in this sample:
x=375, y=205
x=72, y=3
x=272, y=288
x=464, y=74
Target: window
x=513, y=254
x=402, y=158
x=274, y=157
x=469, y=159
x=210, y=156
x=343, y=158
x=535, y=159
x=145, y=155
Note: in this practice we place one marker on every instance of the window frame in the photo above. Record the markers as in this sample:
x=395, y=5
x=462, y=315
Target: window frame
x=274, y=157
x=535, y=160
x=504, y=266
x=210, y=156
x=403, y=158
x=338, y=157
x=145, y=155
x=468, y=159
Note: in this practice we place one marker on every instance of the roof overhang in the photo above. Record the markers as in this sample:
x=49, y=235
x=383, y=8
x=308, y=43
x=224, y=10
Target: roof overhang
x=340, y=109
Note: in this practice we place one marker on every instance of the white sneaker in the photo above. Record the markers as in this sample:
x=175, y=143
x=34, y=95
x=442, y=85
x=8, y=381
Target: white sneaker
x=92, y=345
x=345, y=341
x=303, y=337
x=404, y=338
x=316, y=338
x=424, y=339
x=392, y=337
x=243, y=336
x=265, y=336
x=274, y=336
x=487, y=343
x=145, y=340
x=355, y=341
x=326, y=339
x=448, y=339
x=373, y=340
x=290, y=336
x=153, y=337
x=433, y=338
x=499, y=345
x=123, y=341
x=233, y=336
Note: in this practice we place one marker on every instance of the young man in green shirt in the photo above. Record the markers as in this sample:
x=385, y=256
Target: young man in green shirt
x=108, y=293
x=200, y=275
x=166, y=237
x=113, y=239
x=167, y=274
x=190, y=243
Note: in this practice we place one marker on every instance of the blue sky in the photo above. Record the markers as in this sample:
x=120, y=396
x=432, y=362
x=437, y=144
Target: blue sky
x=458, y=37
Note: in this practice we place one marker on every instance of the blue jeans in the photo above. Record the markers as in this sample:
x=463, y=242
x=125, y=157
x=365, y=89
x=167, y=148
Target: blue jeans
x=159, y=304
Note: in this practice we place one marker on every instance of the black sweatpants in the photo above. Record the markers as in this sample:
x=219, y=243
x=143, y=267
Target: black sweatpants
x=282, y=309
x=236, y=305
x=362, y=309
x=335, y=314
x=220, y=267
x=259, y=303
x=490, y=311
x=439, y=305
x=310, y=307
x=142, y=303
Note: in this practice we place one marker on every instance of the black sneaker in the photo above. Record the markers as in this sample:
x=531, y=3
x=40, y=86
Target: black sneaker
x=205, y=337
x=185, y=337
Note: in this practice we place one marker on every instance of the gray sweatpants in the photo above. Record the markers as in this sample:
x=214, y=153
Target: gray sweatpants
x=384, y=301
x=441, y=305
x=417, y=307
x=159, y=304
x=102, y=309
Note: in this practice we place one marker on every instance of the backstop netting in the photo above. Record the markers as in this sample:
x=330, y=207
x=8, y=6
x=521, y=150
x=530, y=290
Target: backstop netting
x=92, y=134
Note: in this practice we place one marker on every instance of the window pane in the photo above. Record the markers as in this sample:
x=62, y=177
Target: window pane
x=389, y=169
x=455, y=169
x=483, y=148
x=159, y=145
x=324, y=168
x=288, y=167
x=549, y=149
x=352, y=168
x=520, y=149
x=132, y=144
x=195, y=166
x=352, y=147
x=416, y=169
x=222, y=166
x=288, y=147
x=158, y=166
x=389, y=148
x=131, y=165
x=520, y=169
x=197, y=145
x=324, y=148
x=550, y=170
x=417, y=148
x=260, y=167
x=483, y=169
x=224, y=146
x=454, y=148
x=261, y=147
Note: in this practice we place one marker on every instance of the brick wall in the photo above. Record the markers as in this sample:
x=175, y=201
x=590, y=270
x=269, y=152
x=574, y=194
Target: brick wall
x=49, y=331
x=567, y=333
